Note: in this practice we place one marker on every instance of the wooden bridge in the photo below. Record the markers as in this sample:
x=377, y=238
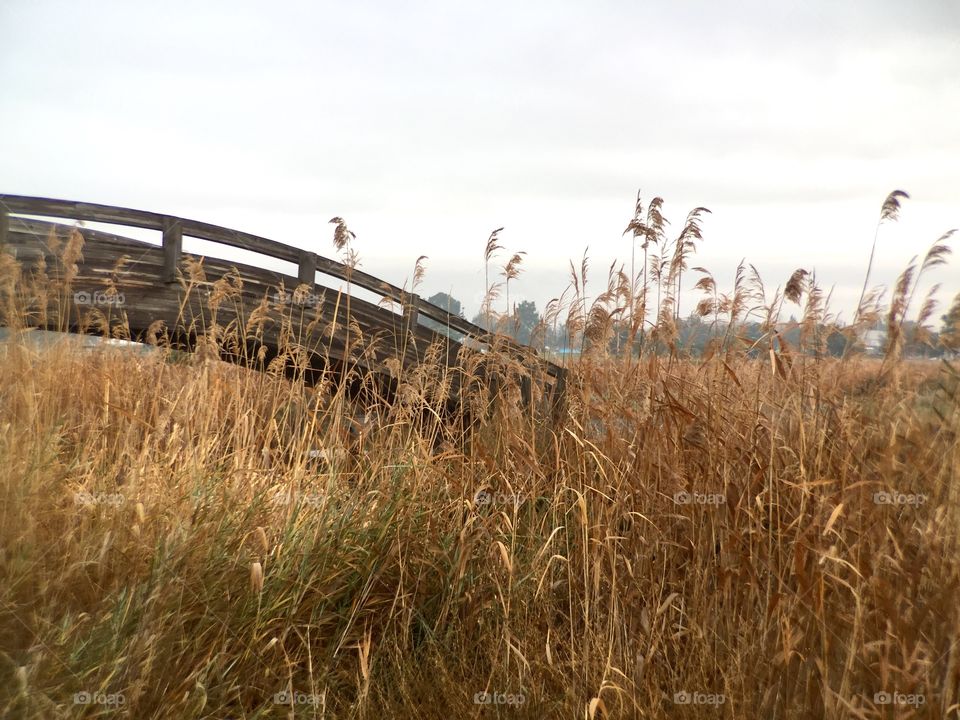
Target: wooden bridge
x=143, y=283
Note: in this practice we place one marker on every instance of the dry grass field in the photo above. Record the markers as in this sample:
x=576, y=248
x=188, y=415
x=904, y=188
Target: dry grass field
x=732, y=536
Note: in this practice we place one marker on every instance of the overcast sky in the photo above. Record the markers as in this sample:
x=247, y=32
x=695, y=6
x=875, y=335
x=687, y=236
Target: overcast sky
x=428, y=124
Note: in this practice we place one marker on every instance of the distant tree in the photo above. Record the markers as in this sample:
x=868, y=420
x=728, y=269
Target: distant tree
x=519, y=325
x=837, y=343
x=447, y=302
x=950, y=331
x=481, y=319
x=526, y=319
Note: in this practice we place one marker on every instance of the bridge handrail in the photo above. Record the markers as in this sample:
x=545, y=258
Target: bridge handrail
x=174, y=228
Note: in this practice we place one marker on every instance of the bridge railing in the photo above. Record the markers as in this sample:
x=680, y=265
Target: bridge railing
x=174, y=228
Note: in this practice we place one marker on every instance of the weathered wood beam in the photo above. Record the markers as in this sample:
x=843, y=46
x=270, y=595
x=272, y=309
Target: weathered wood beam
x=307, y=269
x=559, y=394
x=526, y=390
x=172, y=248
x=411, y=312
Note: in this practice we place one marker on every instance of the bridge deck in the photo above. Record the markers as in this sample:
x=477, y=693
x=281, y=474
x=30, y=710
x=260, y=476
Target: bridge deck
x=269, y=311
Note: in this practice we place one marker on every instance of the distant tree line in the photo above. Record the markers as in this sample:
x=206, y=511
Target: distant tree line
x=696, y=337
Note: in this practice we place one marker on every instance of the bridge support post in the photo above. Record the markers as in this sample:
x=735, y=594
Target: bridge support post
x=411, y=312
x=558, y=397
x=172, y=248
x=526, y=390
x=307, y=270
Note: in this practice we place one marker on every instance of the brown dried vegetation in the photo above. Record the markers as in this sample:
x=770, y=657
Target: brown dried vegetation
x=267, y=536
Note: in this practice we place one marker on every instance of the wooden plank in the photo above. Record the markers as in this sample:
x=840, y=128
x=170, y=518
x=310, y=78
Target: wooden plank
x=4, y=226
x=89, y=212
x=241, y=240
x=359, y=278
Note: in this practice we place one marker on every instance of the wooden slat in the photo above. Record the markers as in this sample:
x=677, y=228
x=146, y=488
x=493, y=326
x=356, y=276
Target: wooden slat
x=241, y=240
x=88, y=212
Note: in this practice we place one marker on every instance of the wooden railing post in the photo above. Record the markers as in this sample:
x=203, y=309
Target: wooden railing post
x=411, y=312
x=558, y=397
x=172, y=248
x=307, y=269
x=526, y=390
